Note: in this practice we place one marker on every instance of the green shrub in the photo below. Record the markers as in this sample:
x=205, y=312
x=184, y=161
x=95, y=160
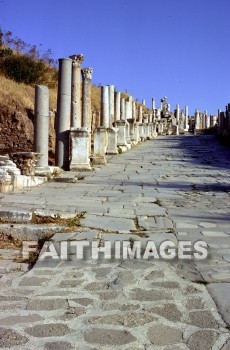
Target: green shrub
x=6, y=52
x=24, y=69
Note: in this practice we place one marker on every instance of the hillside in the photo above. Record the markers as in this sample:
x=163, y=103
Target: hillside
x=17, y=116
x=22, y=66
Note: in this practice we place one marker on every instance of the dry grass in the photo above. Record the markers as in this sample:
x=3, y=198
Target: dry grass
x=20, y=96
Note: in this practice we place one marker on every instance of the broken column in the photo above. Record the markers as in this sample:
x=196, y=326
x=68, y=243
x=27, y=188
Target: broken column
x=141, y=125
x=177, y=114
x=105, y=106
x=136, y=137
x=41, y=130
x=197, y=119
x=86, y=98
x=80, y=138
x=111, y=131
x=131, y=120
x=186, y=123
x=76, y=117
x=100, y=141
x=63, y=113
x=121, y=125
x=117, y=106
x=145, y=126
x=207, y=121
x=100, y=133
x=127, y=117
x=150, y=125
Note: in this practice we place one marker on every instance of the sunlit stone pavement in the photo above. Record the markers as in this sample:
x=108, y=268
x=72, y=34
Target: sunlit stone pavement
x=172, y=188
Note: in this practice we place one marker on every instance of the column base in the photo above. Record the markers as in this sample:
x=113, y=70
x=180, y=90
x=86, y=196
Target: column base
x=80, y=145
x=112, y=141
x=42, y=171
x=100, y=140
x=121, y=135
x=122, y=149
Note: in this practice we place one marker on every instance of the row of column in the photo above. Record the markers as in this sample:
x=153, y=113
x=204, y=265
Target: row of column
x=202, y=120
x=224, y=122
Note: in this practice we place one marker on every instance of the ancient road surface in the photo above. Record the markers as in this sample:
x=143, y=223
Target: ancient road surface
x=171, y=188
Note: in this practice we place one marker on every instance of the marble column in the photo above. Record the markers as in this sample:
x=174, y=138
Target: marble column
x=127, y=115
x=141, y=125
x=86, y=98
x=76, y=111
x=186, y=123
x=41, y=130
x=100, y=133
x=197, y=119
x=153, y=104
x=111, y=105
x=105, y=106
x=177, y=114
x=145, y=126
x=117, y=106
x=143, y=102
x=100, y=142
x=150, y=125
x=122, y=108
x=136, y=137
x=158, y=114
x=134, y=115
x=203, y=120
x=214, y=120
x=63, y=113
x=207, y=121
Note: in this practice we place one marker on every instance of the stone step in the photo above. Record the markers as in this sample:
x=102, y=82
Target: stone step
x=28, y=232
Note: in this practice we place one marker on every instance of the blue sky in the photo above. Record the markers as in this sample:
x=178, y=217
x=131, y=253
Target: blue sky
x=151, y=48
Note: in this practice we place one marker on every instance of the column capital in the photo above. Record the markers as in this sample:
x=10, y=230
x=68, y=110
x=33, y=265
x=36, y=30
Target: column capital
x=77, y=59
x=87, y=73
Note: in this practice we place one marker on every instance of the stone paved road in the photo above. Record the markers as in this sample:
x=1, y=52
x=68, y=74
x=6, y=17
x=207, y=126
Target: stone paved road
x=174, y=188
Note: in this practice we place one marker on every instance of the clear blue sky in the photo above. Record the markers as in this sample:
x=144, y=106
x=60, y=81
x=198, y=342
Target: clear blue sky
x=151, y=48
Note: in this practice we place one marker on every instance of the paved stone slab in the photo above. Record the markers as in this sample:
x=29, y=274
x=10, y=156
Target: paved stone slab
x=105, y=336
x=160, y=335
x=221, y=295
x=10, y=338
x=107, y=223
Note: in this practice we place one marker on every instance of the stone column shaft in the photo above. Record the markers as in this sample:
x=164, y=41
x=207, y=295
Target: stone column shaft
x=140, y=114
x=63, y=112
x=41, y=130
x=105, y=106
x=117, y=106
x=86, y=98
x=177, y=113
x=127, y=110
x=122, y=108
x=76, y=111
x=134, y=115
x=153, y=104
x=111, y=105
